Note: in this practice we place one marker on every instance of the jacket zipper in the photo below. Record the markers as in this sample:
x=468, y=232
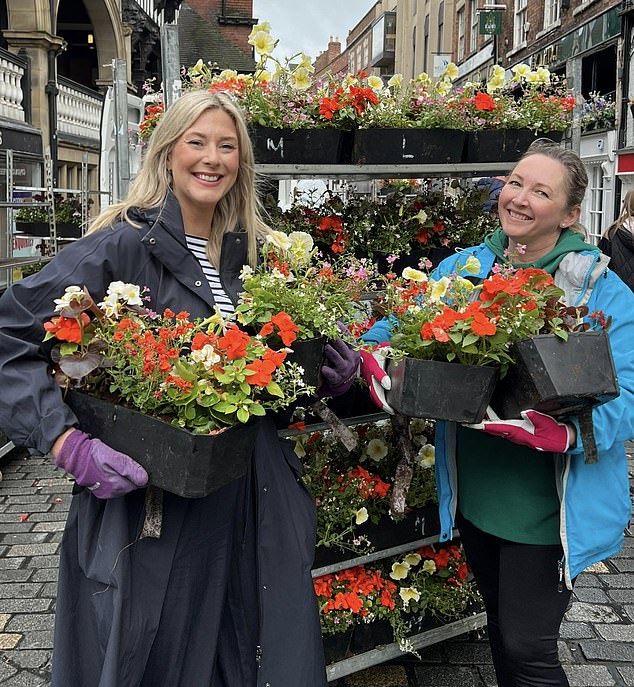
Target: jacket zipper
x=560, y=569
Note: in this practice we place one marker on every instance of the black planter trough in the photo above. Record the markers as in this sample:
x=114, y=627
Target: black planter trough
x=301, y=146
x=64, y=229
x=186, y=464
x=502, y=145
x=407, y=146
x=557, y=377
x=441, y=390
x=309, y=353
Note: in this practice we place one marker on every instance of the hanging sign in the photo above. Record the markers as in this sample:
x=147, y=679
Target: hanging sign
x=490, y=22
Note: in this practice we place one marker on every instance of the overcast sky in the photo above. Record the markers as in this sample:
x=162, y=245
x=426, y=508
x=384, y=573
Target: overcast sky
x=308, y=24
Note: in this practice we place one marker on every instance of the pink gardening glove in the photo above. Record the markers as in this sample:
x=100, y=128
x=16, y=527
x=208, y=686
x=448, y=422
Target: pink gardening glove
x=535, y=430
x=373, y=371
x=96, y=466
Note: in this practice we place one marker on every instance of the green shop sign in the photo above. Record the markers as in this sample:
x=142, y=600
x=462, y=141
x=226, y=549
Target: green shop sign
x=490, y=22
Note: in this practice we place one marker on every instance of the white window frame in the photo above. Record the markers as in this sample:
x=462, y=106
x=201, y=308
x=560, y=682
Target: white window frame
x=519, y=22
x=475, y=27
x=551, y=12
x=595, y=202
x=461, y=37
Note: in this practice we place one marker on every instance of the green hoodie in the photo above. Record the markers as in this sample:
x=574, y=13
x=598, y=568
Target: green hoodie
x=569, y=241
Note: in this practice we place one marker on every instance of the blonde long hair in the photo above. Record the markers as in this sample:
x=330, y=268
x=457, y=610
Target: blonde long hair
x=626, y=215
x=240, y=206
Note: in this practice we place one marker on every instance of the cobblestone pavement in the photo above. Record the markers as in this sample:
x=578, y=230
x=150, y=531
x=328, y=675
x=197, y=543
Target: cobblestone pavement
x=597, y=645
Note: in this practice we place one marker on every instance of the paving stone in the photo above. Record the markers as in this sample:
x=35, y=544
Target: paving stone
x=25, y=605
x=487, y=674
x=620, y=595
x=48, y=517
x=4, y=619
x=468, y=653
x=619, y=633
x=37, y=639
x=591, y=613
x=621, y=581
x=627, y=673
x=624, y=564
x=629, y=611
x=13, y=538
x=565, y=653
x=43, y=562
x=24, y=590
x=50, y=589
x=567, y=631
x=598, y=650
x=33, y=659
x=587, y=580
x=6, y=670
x=30, y=508
x=32, y=550
x=599, y=567
x=32, y=621
x=589, y=676
x=7, y=527
x=11, y=563
x=53, y=526
x=446, y=677
x=9, y=641
x=591, y=595
x=380, y=676
x=26, y=679
x=21, y=575
x=45, y=575
x=27, y=499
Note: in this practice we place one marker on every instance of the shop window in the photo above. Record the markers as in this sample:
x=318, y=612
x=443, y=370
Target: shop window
x=595, y=203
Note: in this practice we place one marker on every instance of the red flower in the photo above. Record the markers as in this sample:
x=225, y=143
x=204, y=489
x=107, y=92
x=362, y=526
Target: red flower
x=234, y=342
x=483, y=101
x=68, y=328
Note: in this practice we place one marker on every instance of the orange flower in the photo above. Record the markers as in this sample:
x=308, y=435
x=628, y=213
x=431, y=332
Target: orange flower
x=234, y=342
x=483, y=101
x=68, y=328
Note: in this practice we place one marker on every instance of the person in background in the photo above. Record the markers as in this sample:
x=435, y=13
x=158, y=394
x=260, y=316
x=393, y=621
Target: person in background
x=532, y=514
x=224, y=596
x=618, y=242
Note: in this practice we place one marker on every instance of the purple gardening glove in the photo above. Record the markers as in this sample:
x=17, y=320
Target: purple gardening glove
x=341, y=371
x=93, y=464
x=535, y=430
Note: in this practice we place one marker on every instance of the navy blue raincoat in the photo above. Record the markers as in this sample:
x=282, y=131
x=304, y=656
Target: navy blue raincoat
x=224, y=597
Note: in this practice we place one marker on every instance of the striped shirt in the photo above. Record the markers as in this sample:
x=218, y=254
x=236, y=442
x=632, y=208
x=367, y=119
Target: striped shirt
x=198, y=246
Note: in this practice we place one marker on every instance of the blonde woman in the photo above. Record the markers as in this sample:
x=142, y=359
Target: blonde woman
x=224, y=597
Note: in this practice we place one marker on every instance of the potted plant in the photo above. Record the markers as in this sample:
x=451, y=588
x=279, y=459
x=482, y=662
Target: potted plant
x=597, y=112
x=315, y=295
x=452, y=338
x=176, y=395
x=34, y=221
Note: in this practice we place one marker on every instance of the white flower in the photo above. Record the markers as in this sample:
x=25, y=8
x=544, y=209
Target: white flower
x=361, y=516
x=521, y=70
x=472, y=266
x=279, y=239
x=228, y=74
x=427, y=456
x=128, y=293
x=262, y=41
x=413, y=274
x=301, y=245
x=452, y=71
x=71, y=293
x=246, y=272
x=399, y=570
x=439, y=289
x=376, y=449
x=375, y=82
x=409, y=594
x=412, y=559
x=206, y=355
x=429, y=566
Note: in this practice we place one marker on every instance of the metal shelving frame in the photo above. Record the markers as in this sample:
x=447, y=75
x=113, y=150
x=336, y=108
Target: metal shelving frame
x=477, y=621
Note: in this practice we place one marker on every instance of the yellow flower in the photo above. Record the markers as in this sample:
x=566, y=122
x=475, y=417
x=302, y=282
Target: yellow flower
x=197, y=70
x=464, y=284
x=472, y=266
x=421, y=216
x=264, y=75
x=262, y=26
x=543, y=75
x=228, y=74
x=412, y=559
x=263, y=42
x=399, y=570
x=429, y=566
x=299, y=448
x=375, y=82
x=395, y=81
x=494, y=84
x=521, y=70
x=361, y=516
x=300, y=78
x=409, y=594
x=423, y=78
x=443, y=86
x=451, y=71
x=439, y=288
x=301, y=245
x=413, y=274
x=498, y=72
x=376, y=449
x=306, y=63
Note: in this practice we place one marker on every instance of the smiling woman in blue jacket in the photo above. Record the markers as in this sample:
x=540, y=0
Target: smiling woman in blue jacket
x=532, y=513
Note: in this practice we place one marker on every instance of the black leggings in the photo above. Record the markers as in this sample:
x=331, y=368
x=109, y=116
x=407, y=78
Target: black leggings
x=520, y=587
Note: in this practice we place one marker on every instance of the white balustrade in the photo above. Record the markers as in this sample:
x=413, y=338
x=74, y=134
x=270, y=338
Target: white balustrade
x=11, y=95
x=78, y=113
